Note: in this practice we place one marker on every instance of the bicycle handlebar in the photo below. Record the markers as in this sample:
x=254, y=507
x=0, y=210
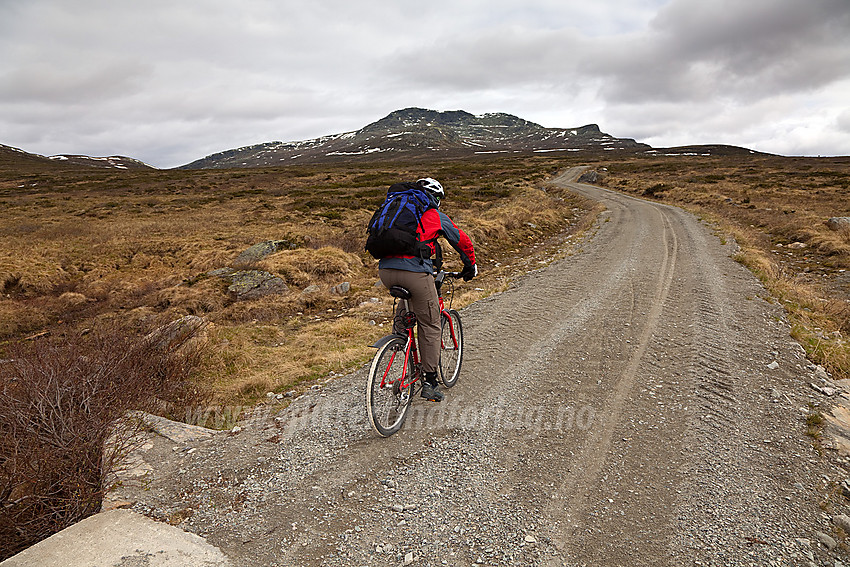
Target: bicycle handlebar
x=441, y=275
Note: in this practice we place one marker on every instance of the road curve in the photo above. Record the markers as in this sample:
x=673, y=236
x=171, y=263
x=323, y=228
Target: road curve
x=615, y=408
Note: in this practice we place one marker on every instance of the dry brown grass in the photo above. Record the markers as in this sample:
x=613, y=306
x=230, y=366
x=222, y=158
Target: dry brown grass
x=302, y=266
x=768, y=203
x=82, y=248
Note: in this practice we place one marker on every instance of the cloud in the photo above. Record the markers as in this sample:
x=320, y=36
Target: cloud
x=744, y=50
x=843, y=121
x=691, y=51
x=171, y=80
x=50, y=83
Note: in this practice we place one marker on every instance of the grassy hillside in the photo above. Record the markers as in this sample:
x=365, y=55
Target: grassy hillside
x=777, y=209
x=81, y=248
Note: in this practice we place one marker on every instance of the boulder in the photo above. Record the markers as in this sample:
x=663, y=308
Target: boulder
x=310, y=290
x=259, y=251
x=837, y=223
x=826, y=540
x=589, y=177
x=341, y=289
x=251, y=284
x=222, y=272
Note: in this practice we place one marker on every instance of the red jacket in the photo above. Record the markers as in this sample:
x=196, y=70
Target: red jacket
x=433, y=225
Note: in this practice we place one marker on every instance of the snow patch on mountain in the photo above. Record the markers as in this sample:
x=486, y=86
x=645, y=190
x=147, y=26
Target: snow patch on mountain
x=417, y=132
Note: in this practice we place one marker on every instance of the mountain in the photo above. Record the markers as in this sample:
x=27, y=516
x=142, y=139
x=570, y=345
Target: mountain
x=14, y=158
x=418, y=133
x=704, y=150
x=110, y=162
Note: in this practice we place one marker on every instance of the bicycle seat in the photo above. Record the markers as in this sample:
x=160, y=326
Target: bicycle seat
x=400, y=292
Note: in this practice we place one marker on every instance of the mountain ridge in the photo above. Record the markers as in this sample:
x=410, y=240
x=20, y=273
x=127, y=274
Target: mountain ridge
x=10, y=156
x=409, y=133
x=417, y=133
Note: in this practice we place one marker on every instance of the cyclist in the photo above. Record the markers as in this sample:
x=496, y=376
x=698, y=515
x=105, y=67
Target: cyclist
x=416, y=274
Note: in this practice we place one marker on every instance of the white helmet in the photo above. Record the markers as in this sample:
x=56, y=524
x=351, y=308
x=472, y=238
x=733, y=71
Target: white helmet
x=432, y=186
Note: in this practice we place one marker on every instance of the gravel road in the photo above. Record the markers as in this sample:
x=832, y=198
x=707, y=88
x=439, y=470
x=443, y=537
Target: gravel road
x=615, y=408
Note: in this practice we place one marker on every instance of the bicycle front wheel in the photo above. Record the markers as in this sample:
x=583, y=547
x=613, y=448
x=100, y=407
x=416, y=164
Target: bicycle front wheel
x=451, y=347
x=387, y=401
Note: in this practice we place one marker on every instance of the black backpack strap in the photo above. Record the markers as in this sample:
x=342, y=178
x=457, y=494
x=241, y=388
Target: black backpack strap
x=424, y=249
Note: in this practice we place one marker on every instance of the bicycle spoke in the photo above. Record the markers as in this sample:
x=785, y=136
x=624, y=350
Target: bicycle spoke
x=451, y=353
x=387, y=395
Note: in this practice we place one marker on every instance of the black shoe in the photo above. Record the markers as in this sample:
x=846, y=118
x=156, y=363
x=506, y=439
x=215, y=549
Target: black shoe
x=431, y=392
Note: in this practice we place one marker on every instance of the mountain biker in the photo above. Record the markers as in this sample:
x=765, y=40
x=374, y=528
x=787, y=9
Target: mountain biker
x=416, y=274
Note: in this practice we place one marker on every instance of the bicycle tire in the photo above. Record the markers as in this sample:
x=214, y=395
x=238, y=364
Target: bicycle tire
x=387, y=405
x=451, y=358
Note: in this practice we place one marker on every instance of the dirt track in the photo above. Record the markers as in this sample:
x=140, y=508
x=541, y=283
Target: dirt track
x=615, y=408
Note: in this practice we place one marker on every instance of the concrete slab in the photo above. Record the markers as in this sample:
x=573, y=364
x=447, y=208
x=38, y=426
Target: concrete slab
x=120, y=538
x=176, y=431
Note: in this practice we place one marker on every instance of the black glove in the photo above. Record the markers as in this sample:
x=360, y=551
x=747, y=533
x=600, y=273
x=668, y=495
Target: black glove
x=469, y=272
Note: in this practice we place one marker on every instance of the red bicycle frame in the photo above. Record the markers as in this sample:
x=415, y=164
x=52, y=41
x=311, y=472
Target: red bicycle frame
x=411, y=354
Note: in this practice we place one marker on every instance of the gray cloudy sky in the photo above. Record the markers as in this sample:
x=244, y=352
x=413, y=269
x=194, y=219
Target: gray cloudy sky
x=170, y=81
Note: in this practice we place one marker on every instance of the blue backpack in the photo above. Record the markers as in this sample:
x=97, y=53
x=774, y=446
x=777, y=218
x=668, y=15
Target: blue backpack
x=392, y=230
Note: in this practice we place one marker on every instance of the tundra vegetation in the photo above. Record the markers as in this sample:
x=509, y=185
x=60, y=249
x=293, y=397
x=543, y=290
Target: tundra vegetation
x=777, y=210
x=85, y=247
x=95, y=260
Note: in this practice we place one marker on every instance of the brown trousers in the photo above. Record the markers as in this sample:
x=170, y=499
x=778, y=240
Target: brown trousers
x=425, y=305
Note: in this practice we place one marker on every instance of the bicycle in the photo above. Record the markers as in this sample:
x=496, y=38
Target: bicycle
x=395, y=375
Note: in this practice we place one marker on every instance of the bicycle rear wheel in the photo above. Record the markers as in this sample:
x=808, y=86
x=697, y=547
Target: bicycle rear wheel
x=451, y=347
x=387, y=401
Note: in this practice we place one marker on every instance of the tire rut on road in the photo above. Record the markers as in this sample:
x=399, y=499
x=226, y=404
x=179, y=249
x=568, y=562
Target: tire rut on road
x=592, y=457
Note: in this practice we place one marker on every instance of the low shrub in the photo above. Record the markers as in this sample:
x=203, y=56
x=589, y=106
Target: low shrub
x=65, y=422
x=653, y=190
